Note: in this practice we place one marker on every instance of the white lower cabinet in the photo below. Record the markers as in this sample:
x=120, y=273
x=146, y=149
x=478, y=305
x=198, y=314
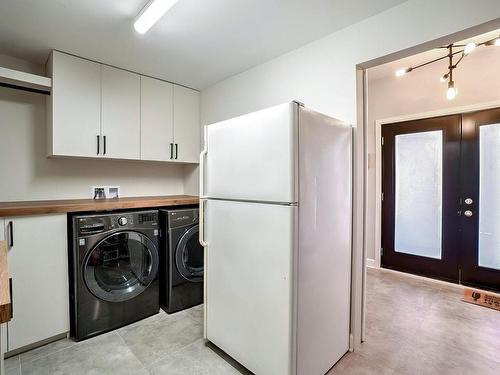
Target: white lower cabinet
x=38, y=266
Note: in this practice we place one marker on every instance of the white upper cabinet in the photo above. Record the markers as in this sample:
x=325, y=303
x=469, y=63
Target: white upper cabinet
x=74, y=106
x=99, y=111
x=121, y=112
x=186, y=125
x=157, y=129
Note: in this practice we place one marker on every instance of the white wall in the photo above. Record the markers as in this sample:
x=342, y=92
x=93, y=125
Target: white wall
x=477, y=79
x=27, y=174
x=322, y=73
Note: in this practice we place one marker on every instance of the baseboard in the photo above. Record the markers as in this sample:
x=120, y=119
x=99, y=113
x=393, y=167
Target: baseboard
x=372, y=263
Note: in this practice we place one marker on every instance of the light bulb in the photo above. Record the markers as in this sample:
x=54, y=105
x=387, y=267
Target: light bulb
x=452, y=91
x=443, y=78
x=469, y=48
x=401, y=72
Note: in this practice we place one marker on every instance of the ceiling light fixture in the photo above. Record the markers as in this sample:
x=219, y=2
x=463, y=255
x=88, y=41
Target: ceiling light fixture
x=401, y=72
x=493, y=42
x=469, y=48
x=151, y=13
x=465, y=50
x=452, y=91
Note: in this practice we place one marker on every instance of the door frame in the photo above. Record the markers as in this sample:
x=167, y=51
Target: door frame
x=376, y=263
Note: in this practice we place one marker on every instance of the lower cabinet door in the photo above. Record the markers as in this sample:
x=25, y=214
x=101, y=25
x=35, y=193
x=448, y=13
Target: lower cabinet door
x=38, y=266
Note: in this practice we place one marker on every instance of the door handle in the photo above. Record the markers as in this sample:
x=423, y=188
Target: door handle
x=11, y=234
x=203, y=156
x=176, y=150
x=171, y=151
x=98, y=144
x=202, y=223
x=104, y=139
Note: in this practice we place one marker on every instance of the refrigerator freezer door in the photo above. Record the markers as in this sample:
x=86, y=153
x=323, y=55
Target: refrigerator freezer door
x=249, y=282
x=252, y=157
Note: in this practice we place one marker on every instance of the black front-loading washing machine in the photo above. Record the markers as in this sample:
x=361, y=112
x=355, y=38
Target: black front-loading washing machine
x=114, y=263
x=181, y=256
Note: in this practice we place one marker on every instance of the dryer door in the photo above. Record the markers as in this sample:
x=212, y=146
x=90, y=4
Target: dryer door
x=189, y=255
x=121, y=266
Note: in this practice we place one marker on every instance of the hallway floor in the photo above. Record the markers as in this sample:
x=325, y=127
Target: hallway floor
x=417, y=326
x=414, y=326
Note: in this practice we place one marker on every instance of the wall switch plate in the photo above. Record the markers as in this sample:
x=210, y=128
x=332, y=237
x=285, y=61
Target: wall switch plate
x=105, y=192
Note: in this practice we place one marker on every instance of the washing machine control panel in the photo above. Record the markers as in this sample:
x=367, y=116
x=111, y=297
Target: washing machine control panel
x=122, y=221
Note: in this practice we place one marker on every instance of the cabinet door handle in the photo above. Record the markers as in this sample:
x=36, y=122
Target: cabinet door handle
x=11, y=300
x=171, y=151
x=104, y=139
x=98, y=144
x=11, y=234
x=176, y=150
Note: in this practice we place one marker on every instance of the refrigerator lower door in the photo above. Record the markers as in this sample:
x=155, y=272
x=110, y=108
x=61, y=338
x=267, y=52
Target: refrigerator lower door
x=252, y=157
x=249, y=266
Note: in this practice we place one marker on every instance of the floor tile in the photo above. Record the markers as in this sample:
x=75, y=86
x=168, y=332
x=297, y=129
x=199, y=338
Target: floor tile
x=356, y=364
x=105, y=354
x=195, y=359
x=152, y=339
x=11, y=362
x=46, y=350
x=197, y=313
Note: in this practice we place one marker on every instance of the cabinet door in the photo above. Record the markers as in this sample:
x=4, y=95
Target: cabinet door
x=120, y=113
x=38, y=266
x=187, y=124
x=74, y=107
x=156, y=119
x=3, y=327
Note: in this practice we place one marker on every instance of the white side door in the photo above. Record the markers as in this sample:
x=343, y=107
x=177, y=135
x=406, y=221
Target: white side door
x=38, y=266
x=157, y=129
x=187, y=127
x=120, y=113
x=252, y=157
x=249, y=262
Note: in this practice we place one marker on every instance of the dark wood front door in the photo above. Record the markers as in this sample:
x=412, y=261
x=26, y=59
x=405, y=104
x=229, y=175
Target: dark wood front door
x=441, y=198
x=480, y=219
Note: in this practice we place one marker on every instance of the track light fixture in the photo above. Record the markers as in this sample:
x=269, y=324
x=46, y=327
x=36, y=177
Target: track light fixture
x=464, y=50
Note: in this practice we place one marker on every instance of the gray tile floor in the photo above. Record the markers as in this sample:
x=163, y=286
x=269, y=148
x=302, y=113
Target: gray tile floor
x=413, y=327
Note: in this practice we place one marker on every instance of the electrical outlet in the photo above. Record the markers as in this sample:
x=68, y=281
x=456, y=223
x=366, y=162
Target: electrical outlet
x=105, y=192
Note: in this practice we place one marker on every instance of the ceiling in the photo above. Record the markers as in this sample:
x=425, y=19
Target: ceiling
x=197, y=43
x=388, y=70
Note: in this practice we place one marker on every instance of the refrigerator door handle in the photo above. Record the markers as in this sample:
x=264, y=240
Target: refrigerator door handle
x=202, y=223
x=203, y=156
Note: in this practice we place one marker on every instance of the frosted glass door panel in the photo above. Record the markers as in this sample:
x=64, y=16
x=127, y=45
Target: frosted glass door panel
x=419, y=191
x=489, y=196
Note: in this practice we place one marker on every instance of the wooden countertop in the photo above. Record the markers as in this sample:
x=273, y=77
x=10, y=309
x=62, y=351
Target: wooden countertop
x=77, y=205
x=4, y=285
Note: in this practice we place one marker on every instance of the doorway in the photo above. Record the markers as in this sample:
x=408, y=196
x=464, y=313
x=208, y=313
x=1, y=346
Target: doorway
x=441, y=197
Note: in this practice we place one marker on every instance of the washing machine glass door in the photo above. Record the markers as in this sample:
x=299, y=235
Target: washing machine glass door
x=121, y=266
x=189, y=256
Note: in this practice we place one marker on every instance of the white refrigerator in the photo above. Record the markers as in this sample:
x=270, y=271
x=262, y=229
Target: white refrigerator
x=275, y=221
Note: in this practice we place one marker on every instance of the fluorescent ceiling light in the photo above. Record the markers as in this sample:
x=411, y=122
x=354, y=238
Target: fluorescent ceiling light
x=151, y=13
